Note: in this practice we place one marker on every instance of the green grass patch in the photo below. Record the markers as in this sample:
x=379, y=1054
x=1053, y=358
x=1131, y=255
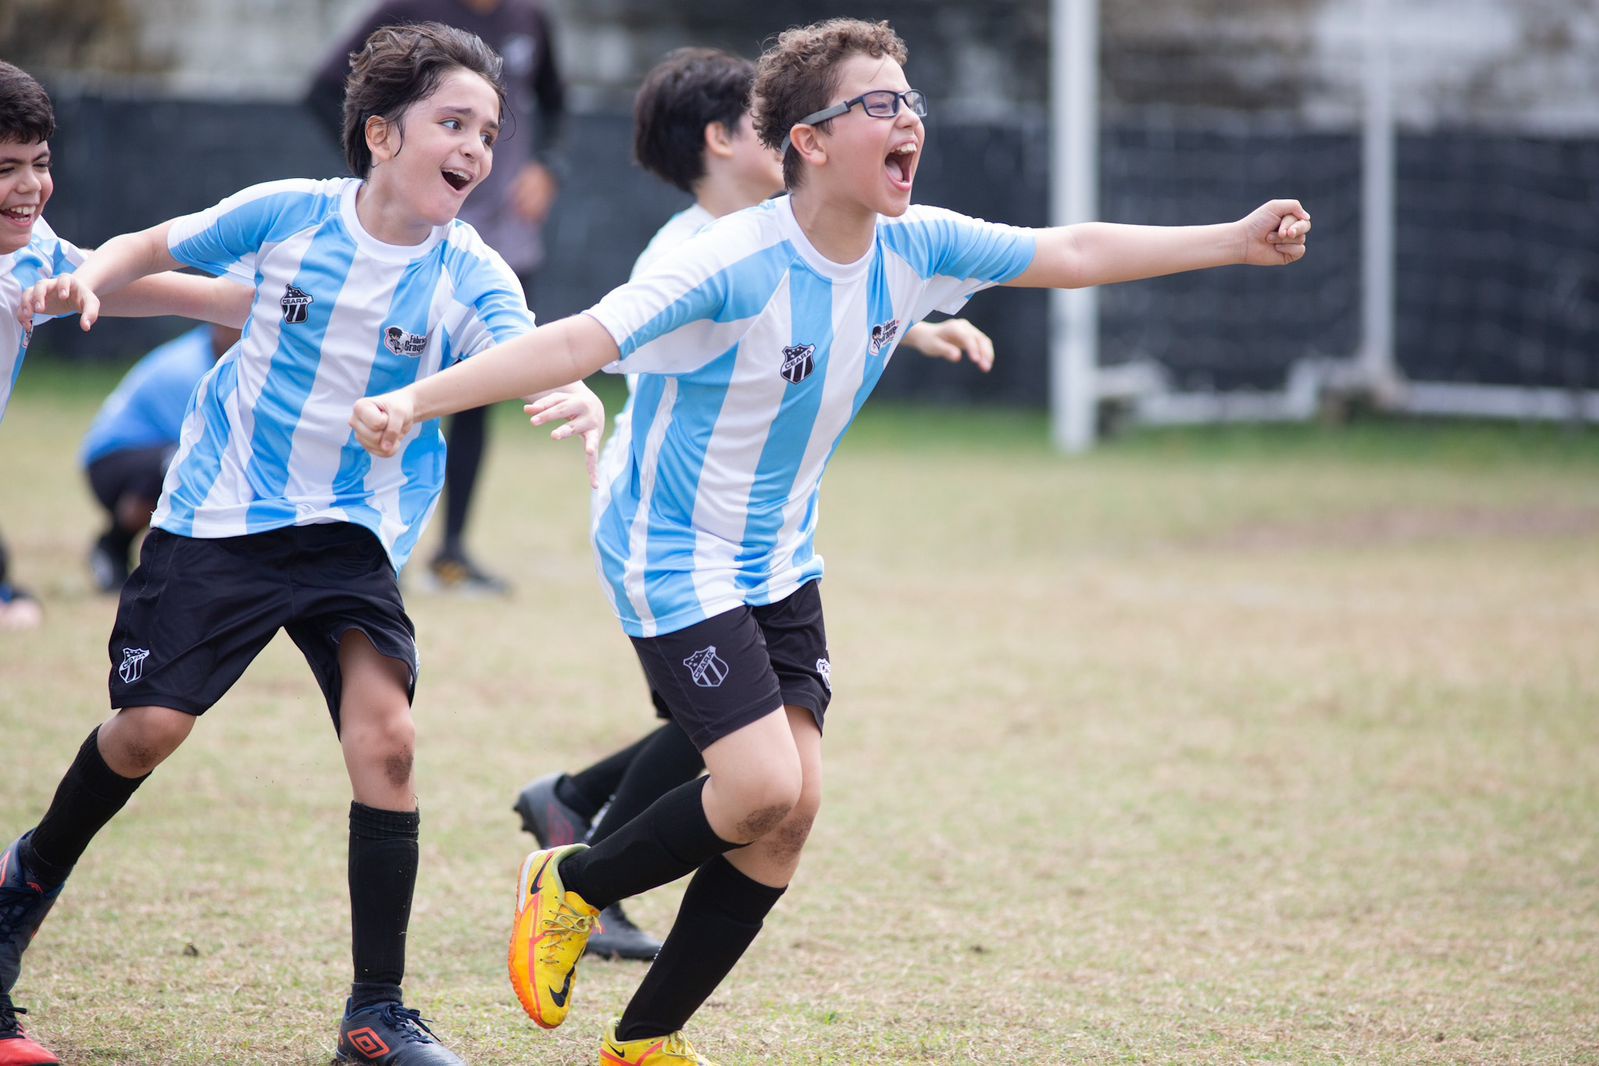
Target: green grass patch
x=1248, y=744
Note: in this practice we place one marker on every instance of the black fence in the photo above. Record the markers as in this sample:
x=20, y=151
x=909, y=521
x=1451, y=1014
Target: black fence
x=1498, y=242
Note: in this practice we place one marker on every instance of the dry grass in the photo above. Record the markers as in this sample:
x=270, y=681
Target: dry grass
x=1196, y=751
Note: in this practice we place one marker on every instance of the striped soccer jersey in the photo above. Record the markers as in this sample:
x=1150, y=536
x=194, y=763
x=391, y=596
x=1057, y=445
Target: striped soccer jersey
x=754, y=353
x=673, y=232
x=337, y=315
x=44, y=256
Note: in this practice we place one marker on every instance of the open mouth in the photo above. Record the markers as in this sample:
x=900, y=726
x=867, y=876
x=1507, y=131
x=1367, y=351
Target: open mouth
x=22, y=216
x=901, y=164
x=457, y=179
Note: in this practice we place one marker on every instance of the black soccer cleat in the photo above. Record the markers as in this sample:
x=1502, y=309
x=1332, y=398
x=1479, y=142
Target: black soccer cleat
x=618, y=938
x=387, y=1034
x=23, y=904
x=552, y=823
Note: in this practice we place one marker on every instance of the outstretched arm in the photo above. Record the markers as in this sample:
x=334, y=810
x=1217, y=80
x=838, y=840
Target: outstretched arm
x=547, y=358
x=1099, y=253
x=110, y=268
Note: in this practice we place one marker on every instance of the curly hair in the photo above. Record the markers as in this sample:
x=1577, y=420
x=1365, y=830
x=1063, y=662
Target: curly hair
x=685, y=92
x=798, y=74
x=399, y=65
x=26, y=116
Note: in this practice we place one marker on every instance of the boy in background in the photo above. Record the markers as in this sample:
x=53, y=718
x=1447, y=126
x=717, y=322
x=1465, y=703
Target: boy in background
x=133, y=437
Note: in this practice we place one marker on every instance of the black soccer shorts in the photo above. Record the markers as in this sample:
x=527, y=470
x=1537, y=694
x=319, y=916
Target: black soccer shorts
x=196, y=612
x=719, y=675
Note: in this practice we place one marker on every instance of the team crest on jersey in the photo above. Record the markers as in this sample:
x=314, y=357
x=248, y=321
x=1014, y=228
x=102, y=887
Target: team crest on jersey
x=706, y=667
x=295, y=301
x=401, y=342
x=798, y=362
x=883, y=335
x=132, y=667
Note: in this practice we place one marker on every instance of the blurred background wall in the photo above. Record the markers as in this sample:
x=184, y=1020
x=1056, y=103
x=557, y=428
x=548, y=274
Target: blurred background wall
x=1207, y=108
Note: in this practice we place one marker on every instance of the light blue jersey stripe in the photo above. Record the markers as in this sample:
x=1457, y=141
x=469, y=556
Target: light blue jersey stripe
x=668, y=582
x=191, y=475
x=811, y=312
x=289, y=380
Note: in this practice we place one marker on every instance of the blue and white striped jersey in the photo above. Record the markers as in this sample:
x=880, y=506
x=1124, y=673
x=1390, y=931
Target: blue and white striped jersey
x=754, y=354
x=673, y=232
x=44, y=256
x=337, y=315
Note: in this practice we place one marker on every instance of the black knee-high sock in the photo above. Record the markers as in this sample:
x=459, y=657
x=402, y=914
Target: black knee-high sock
x=89, y=796
x=668, y=840
x=721, y=913
x=468, y=439
x=667, y=759
x=383, y=860
x=587, y=790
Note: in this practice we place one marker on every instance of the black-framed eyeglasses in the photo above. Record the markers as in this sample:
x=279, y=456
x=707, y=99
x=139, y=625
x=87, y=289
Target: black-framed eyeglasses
x=878, y=103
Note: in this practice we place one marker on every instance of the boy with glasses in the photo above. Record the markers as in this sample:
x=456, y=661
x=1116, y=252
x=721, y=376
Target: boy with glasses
x=756, y=343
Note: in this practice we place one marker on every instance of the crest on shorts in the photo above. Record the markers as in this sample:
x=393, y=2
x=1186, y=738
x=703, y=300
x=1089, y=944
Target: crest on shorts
x=883, y=335
x=825, y=668
x=706, y=667
x=295, y=301
x=132, y=667
x=403, y=342
x=798, y=362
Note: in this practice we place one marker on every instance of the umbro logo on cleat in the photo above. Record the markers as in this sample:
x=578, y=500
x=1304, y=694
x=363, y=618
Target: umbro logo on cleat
x=367, y=1042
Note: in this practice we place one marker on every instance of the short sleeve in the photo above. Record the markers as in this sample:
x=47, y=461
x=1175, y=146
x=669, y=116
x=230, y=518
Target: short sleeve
x=957, y=255
x=694, y=302
x=228, y=239
x=490, y=288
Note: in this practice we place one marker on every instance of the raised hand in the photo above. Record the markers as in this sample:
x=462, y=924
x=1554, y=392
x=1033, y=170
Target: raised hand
x=951, y=339
x=1274, y=233
x=60, y=296
x=580, y=414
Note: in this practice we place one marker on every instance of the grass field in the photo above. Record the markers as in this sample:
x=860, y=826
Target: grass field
x=1270, y=745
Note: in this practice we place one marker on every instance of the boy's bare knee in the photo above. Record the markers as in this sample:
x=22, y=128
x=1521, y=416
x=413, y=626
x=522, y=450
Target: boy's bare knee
x=763, y=820
x=398, y=766
x=788, y=840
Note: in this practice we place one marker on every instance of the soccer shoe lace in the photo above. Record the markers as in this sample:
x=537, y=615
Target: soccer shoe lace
x=392, y=1034
x=409, y=1024
x=548, y=938
x=17, y=1048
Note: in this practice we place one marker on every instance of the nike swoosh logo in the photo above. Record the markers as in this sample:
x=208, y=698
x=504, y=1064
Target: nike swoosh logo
x=538, y=878
x=559, y=998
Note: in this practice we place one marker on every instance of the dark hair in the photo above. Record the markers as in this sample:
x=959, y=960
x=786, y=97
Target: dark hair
x=399, y=65
x=685, y=92
x=798, y=74
x=26, y=116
